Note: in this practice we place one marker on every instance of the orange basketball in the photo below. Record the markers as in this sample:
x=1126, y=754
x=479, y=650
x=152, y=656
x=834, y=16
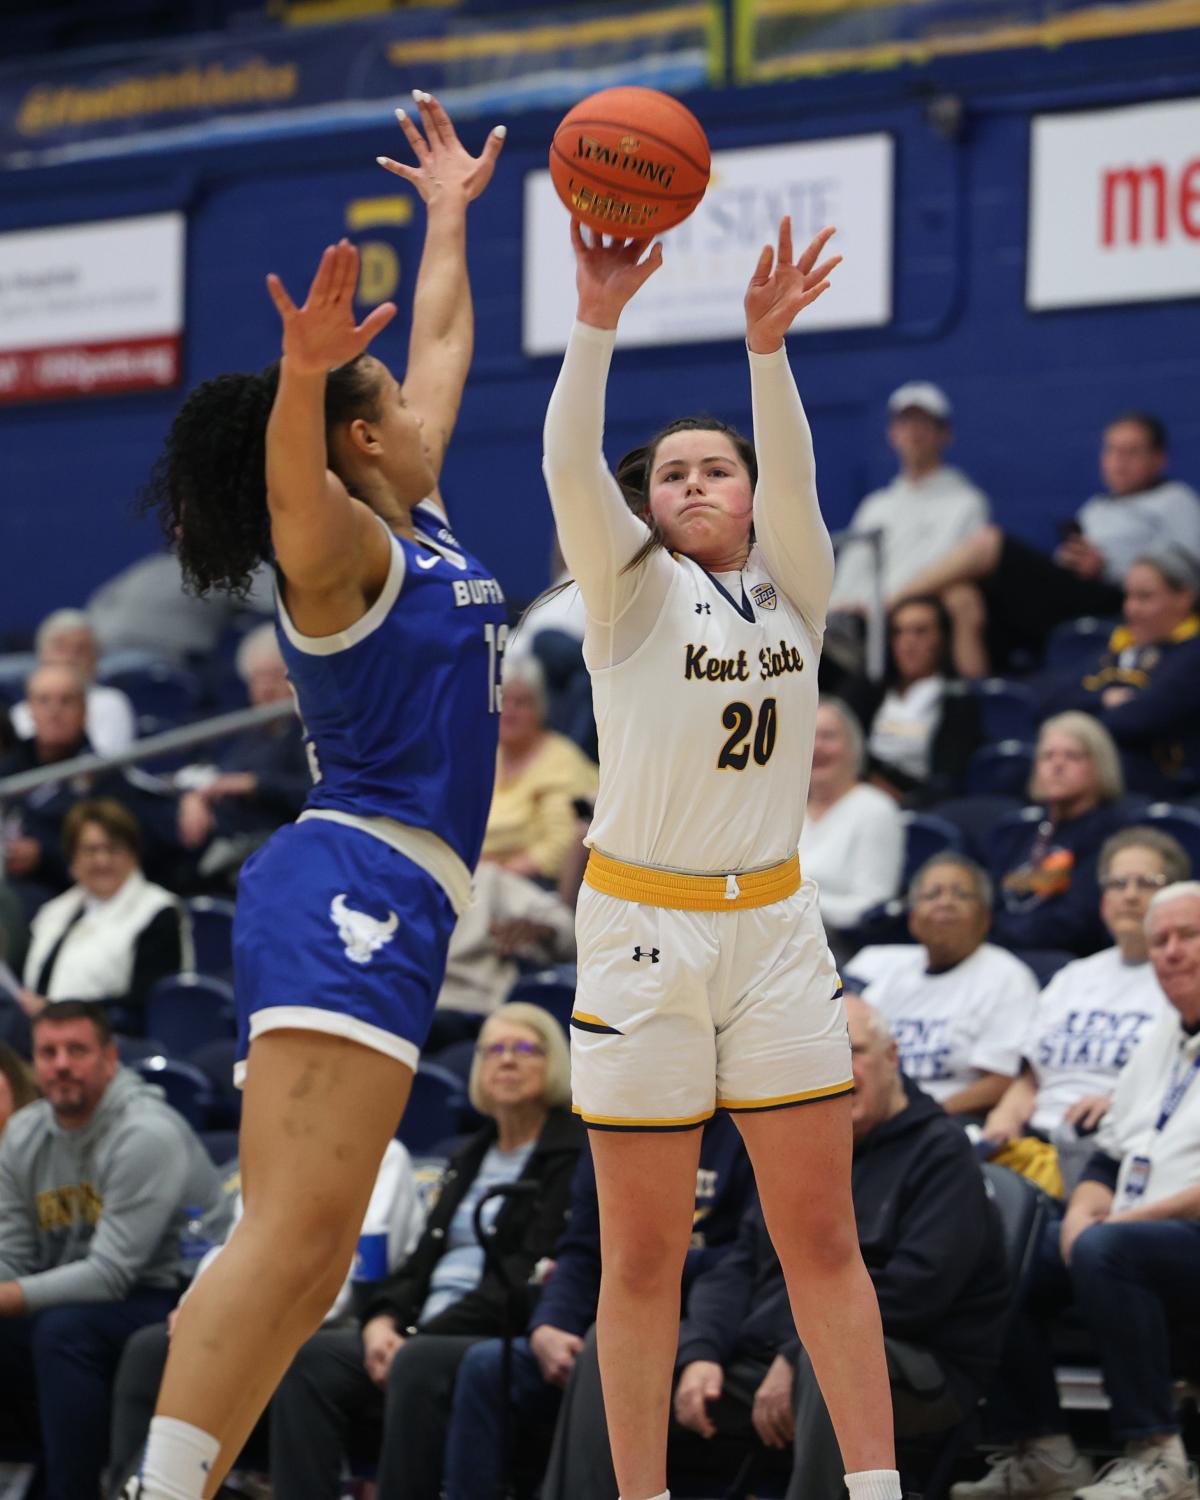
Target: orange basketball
x=630, y=161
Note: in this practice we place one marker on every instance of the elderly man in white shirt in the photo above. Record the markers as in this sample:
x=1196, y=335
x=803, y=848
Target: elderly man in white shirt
x=958, y=1007
x=923, y=513
x=1127, y=1254
x=66, y=638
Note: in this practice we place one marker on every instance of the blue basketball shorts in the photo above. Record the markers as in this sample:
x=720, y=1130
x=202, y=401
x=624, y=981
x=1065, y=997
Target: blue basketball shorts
x=336, y=931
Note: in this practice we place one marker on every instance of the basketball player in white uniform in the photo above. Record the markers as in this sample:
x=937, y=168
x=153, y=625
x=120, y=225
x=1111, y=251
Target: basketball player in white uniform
x=704, y=976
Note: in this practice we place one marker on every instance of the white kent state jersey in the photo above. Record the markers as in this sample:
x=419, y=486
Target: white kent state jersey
x=706, y=731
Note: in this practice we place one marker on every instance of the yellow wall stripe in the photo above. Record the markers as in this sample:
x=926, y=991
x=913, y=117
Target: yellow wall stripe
x=552, y=38
x=1095, y=23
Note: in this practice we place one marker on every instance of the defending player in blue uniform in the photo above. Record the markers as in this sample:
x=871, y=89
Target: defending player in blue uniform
x=393, y=637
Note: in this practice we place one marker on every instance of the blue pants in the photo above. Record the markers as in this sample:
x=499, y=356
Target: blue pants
x=1131, y=1283
x=473, y=1442
x=69, y=1356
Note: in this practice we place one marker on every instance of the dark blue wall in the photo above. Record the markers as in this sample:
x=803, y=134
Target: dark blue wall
x=1031, y=392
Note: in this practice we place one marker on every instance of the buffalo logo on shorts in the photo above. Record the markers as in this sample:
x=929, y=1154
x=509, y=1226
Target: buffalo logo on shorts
x=362, y=934
x=763, y=595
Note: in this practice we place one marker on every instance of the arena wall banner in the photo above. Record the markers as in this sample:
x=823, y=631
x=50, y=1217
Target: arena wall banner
x=91, y=309
x=698, y=293
x=278, y=81
x=1114, y=211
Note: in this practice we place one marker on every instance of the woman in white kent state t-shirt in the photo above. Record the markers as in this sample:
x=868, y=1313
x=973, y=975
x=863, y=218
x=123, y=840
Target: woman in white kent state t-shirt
x=1095, y=1011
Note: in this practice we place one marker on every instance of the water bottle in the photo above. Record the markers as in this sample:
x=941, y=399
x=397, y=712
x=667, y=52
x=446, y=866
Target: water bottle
x=194, y=1241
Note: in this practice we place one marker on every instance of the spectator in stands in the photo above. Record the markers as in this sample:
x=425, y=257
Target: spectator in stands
x=921, y=726
x=540, y=775
x=1144, y=687
x=1093, y=1013
x=1049, y=896
x=445, y=1297
x=939, y=1275
x=18, y=1087
x=1002, y=593
x=94, y=1182
x=258, y=780
x=1126, y=1252
x=511, y=922
x=853, y=839
x=390, y=1230
x=66, y=638
x=559, y=1348
x=33, y=834
x=145, y=609
x=925, y=512
x=114, y=934
x=958, y=1007
x=559, y=609
x=14, y=929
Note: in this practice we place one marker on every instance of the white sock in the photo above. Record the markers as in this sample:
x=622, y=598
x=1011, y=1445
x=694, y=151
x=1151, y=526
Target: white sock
x=875, y=1484
x=1168, y=1446
x=1056, y=1446
x=179, y=1459
x=666, y=1495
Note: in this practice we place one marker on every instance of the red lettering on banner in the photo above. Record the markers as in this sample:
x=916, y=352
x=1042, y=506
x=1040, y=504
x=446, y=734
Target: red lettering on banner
x=1140, y=204
x=90, y=369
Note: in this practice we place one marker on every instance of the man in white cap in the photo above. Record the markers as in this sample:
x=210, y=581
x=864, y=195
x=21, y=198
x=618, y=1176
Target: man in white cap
x=926, y=511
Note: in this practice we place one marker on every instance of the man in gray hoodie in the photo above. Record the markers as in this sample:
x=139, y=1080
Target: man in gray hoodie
x=95, y=1180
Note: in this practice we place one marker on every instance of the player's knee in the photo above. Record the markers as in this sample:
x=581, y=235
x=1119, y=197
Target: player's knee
x=319, y=1250
x=644, y=1261
x=823, y=1244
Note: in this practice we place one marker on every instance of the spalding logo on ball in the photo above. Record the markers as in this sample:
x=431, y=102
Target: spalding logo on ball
x=630, y=161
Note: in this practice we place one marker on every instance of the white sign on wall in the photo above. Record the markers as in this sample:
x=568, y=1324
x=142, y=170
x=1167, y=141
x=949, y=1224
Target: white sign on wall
x=91, y=308
x=1114, y=212
x=709, y=258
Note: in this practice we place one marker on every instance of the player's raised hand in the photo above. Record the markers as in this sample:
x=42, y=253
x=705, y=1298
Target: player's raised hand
x=608, y=273
x=781, y=288
x=323, y=334
x=444, y=166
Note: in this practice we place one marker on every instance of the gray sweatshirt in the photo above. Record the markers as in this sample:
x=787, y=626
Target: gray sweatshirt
x=86, y=1215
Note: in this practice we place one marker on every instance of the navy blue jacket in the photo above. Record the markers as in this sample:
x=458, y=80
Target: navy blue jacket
x=1050, y=897
x=931, y=1241
x=724, y=1185
x=1157, y=730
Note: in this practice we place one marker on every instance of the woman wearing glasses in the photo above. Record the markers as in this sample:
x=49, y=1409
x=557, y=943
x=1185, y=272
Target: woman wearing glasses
x=1094, y=1011
x=423, y=1318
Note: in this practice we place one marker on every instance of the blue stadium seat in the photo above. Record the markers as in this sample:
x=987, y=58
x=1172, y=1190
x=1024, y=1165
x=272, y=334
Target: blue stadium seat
x=15, y=667
x=437, y=1108
x=221, y=1145
x=1045, y=962
x=458, y=1058
x=552, y=989
x=926, y=834
x=131, y=1049
x=1075, y=643
x=1000, y=770
x=186, y=1010
x=1006, y=709
x=1181, y=822
x=159, y=691
x=186, y=1087
x=215, y=1060
x=975, y=817
x=212, y=935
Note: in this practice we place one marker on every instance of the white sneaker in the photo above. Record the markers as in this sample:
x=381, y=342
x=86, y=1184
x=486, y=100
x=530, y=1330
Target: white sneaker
x=1143, y=1476
x=1026, y=1475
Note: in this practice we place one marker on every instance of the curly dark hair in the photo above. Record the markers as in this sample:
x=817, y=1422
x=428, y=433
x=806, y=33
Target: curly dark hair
x=209, y=485
x=633, y=473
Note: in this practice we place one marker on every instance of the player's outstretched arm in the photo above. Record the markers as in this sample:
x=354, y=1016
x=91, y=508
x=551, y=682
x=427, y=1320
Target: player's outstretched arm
x=442, y=337
x=787, y=516
x=318, y=532
x=597, y=531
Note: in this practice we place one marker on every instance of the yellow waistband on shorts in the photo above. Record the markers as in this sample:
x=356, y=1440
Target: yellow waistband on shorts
x=680, y=892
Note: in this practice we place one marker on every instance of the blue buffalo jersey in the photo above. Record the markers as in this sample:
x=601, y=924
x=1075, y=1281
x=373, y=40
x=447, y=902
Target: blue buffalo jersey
x=401, y=710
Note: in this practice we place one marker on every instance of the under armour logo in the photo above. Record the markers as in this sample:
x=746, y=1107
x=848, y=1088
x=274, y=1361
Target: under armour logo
x=639, y=953
x=704, y=609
